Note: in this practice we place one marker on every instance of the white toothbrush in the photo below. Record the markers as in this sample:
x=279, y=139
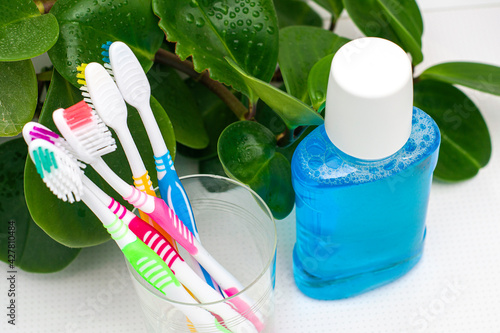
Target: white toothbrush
x=135, y=89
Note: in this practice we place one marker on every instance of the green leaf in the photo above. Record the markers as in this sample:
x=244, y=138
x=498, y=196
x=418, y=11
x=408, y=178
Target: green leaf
x=176, y=98
x=481, y=77
x=296, y=12
x=399, y=21
x=290, y=149
x=216, y=116
x=34, y=250
x=267, y=117
x=86, y=24
x=24, y=32
x=317, y=82
x=247, y=151
x=465, y=140
x=293, y=111
x=335, y=7
x=18, y=96
x=209, y=31
x=300, y=49
x=75, y=225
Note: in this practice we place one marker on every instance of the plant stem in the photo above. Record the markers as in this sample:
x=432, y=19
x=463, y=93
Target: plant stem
x=44, y=76
x=168, y=58
x=333, y=23
x=253, y=111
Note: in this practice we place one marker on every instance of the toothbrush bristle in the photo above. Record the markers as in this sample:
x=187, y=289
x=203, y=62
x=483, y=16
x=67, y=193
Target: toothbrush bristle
x=109, y=69
x=38, y=162
x=58, y=170
x=105, y=53
x=93, y=135
x=81, y=74
x=38, y=131
x=78, y=115
x=41, y=133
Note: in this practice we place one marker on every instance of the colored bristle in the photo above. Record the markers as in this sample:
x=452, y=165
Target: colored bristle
x=58, y=170
x=44, y=161
x=45, y=131
x=81, y=74
x=106, y=45
x=38, y=163
x=37, y=134
x=78, y=115
x=81, y=68
x=105, y=53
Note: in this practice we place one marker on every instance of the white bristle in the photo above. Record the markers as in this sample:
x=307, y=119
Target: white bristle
x=65, y=179
x=89, y=141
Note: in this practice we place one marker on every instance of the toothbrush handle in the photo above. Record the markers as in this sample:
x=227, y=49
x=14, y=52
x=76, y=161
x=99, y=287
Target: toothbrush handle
x=157, y=274
x=173, y=192
x=167, y=219
x=154, y=240
x=144, y=184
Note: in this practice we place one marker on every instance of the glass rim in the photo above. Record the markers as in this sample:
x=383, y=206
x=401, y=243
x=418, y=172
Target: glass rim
x=164, y=297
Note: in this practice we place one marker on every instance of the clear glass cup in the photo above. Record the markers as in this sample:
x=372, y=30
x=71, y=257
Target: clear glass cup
x=238, y=230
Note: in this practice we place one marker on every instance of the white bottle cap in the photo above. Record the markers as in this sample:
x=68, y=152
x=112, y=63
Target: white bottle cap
x=369, y=101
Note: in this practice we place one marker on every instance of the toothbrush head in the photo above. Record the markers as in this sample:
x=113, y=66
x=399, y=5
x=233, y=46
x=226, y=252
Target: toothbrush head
x=129, y=75
x=35, y=131
x=58, y=170
x=85, y=132
x=105, y=95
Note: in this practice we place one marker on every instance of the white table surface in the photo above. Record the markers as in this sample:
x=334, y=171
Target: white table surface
x=453, y=289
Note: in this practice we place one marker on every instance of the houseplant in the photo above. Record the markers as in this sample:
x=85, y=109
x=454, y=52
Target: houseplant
x=217, y=93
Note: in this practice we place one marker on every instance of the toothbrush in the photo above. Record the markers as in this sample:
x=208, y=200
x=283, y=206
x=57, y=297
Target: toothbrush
x=148, y=234
x=101, y=93
x=135, y=89
x=64, y=178
x=154, y=240
x=76, y=134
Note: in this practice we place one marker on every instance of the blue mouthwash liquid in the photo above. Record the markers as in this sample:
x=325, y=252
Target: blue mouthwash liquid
x=360, y=224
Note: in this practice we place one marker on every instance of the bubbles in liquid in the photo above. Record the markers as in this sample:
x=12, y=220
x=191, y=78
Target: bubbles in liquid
x=348, y=170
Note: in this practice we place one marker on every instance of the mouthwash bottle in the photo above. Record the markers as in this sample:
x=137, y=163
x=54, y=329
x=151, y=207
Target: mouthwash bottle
x=362, y=180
